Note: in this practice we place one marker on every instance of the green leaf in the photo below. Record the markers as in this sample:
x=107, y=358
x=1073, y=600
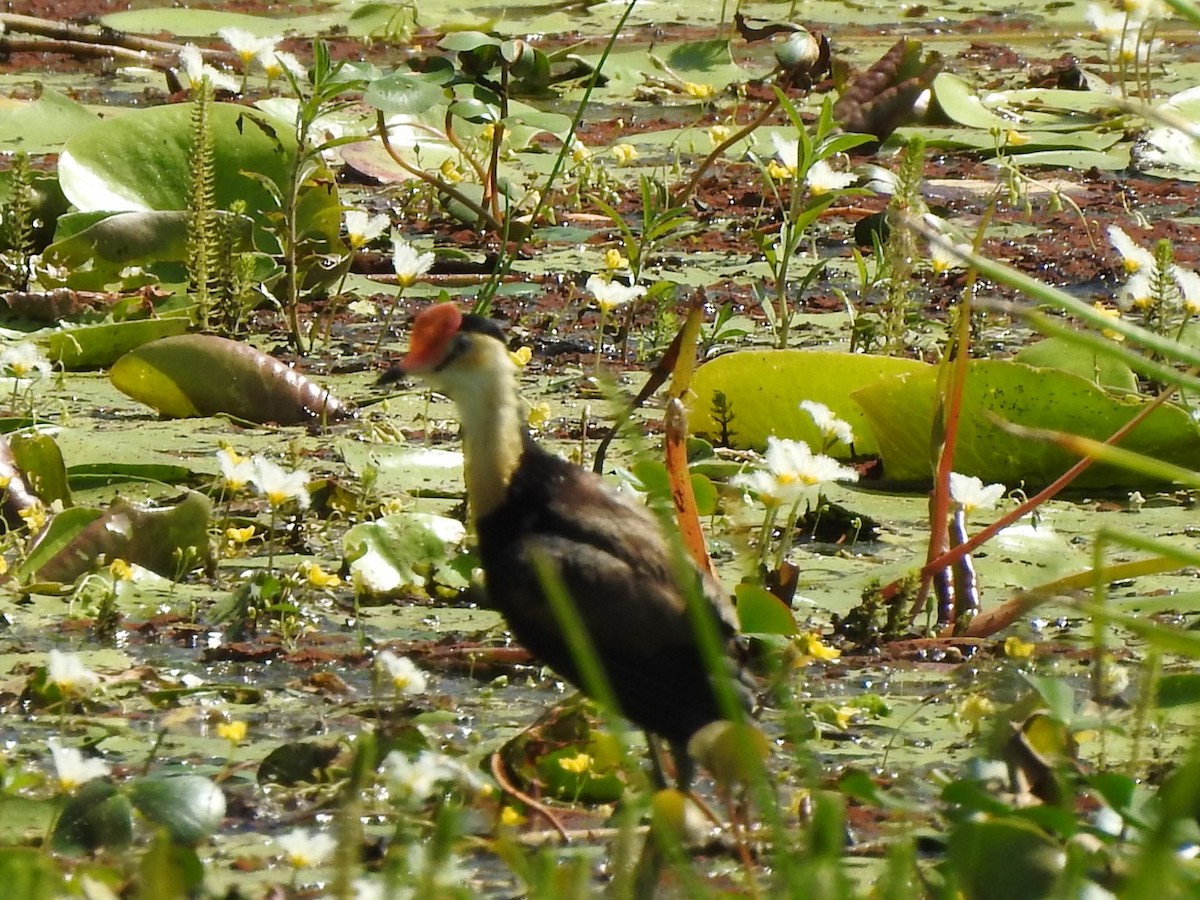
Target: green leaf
x=99, y=346
x=29, y=874
x=169, y=540
x=41, y=465
x=400, y=94
x=761, y=612
x=1177, y=690
x=190, y=807
x=94, y=818
x=763, y=388
x=395, y=553
x=204, y=375
x=44, y=124
x=999, y=859
x=169, y=871
x=1057, y=353
x=901, y=412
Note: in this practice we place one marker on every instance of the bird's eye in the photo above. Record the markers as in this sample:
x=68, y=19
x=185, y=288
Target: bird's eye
x=457, y=348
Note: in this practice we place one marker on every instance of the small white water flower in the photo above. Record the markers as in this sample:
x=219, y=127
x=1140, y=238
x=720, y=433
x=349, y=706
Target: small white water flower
x=1189, y=289
x=822, y=178
x=406, y=678
x=362, y=228
x=943, y=259
x=197, y=70
x=611, y=294
x=787, y=152
x=23, y=360
x=409, y=264
x=1134, y=257
x=67, y=671
x=237, y=470
x=418, y=779
x=247, y=45
x=275, y=63
x=279, y=485
x=970, y=493
x=830, y=426
x=72, y=768
x=1107, y=23
x=305, y=849
x=792, y=468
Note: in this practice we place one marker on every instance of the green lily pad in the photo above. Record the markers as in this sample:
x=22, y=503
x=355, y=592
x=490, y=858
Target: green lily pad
x=1057, y=353
x=44, y=124
x=204, y=375
x=763, y=390
x=901, y=413
x=97, y=346
x=396, y=553
x=190, y=807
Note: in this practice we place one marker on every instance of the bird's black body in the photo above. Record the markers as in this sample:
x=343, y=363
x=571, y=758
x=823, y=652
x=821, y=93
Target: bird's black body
x=628, y=585
x=614, y=563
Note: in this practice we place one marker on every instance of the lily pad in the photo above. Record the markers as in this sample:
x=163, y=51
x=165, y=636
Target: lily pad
x=901, y=413
x=763, y=389
x=97, y=346
x=204, y=375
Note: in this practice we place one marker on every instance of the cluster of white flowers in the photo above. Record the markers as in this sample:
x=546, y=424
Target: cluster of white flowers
x=791, y=470
x=416, y=780
x=251, y=50
x=277, y=484
x=1140, y=291
x=1126, y=29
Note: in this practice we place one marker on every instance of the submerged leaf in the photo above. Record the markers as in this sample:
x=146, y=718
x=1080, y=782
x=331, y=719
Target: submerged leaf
x=203, y=375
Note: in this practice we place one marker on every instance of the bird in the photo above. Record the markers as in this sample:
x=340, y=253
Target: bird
x=530, y=508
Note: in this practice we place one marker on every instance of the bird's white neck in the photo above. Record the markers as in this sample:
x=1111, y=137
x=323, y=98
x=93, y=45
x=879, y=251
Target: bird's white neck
x=493, y=431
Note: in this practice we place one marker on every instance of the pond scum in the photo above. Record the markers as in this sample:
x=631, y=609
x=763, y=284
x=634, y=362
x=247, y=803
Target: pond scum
x=247, y=648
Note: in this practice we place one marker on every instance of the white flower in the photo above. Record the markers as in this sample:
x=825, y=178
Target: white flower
x=1138, y=291
x=362, y=228
x=1134, y=257
x=787, y=151
x=197, y=70
x=275, y=62
x=611, y=294
x=406, y=678
x=409, y=264
x=943, y=259
x=792, y=468
x=67, y=671
x=827, y=423
x=1108, y=24
x=277, y=484
x=822, y=178
x=419, y=779
x=73, y=768
x=1132, y=49
x=24, y=360
x=1189, y=288
x=440, y=872
x=238, y=471
x=305, y=849
x=970, y=493
x=246, y=45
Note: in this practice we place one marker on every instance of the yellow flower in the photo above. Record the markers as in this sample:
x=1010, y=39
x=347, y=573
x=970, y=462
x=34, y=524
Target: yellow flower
x=613, y=260
x=450, y=171
x=718, y=134
x=318, y=577
x=625, y=154
x=239, y=535
x=511, y=817
x=539, y=415
x=4, y=481
x=577, y=764
x=698, y=91
x=120, y=570
x=1015, y=648
x=972, y=710
x=34, y=516
x=521, y=356
x=3, y=565
x=1014, y=138
x=234, y=732
x=1112, y=314
x=811, y=647
x=778, y=171
x=488, y=131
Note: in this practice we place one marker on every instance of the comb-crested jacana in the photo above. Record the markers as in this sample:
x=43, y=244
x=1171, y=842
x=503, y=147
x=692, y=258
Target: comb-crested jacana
x=608, y=553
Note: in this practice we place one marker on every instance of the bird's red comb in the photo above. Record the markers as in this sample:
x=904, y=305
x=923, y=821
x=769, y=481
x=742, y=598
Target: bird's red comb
x=432, y=332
